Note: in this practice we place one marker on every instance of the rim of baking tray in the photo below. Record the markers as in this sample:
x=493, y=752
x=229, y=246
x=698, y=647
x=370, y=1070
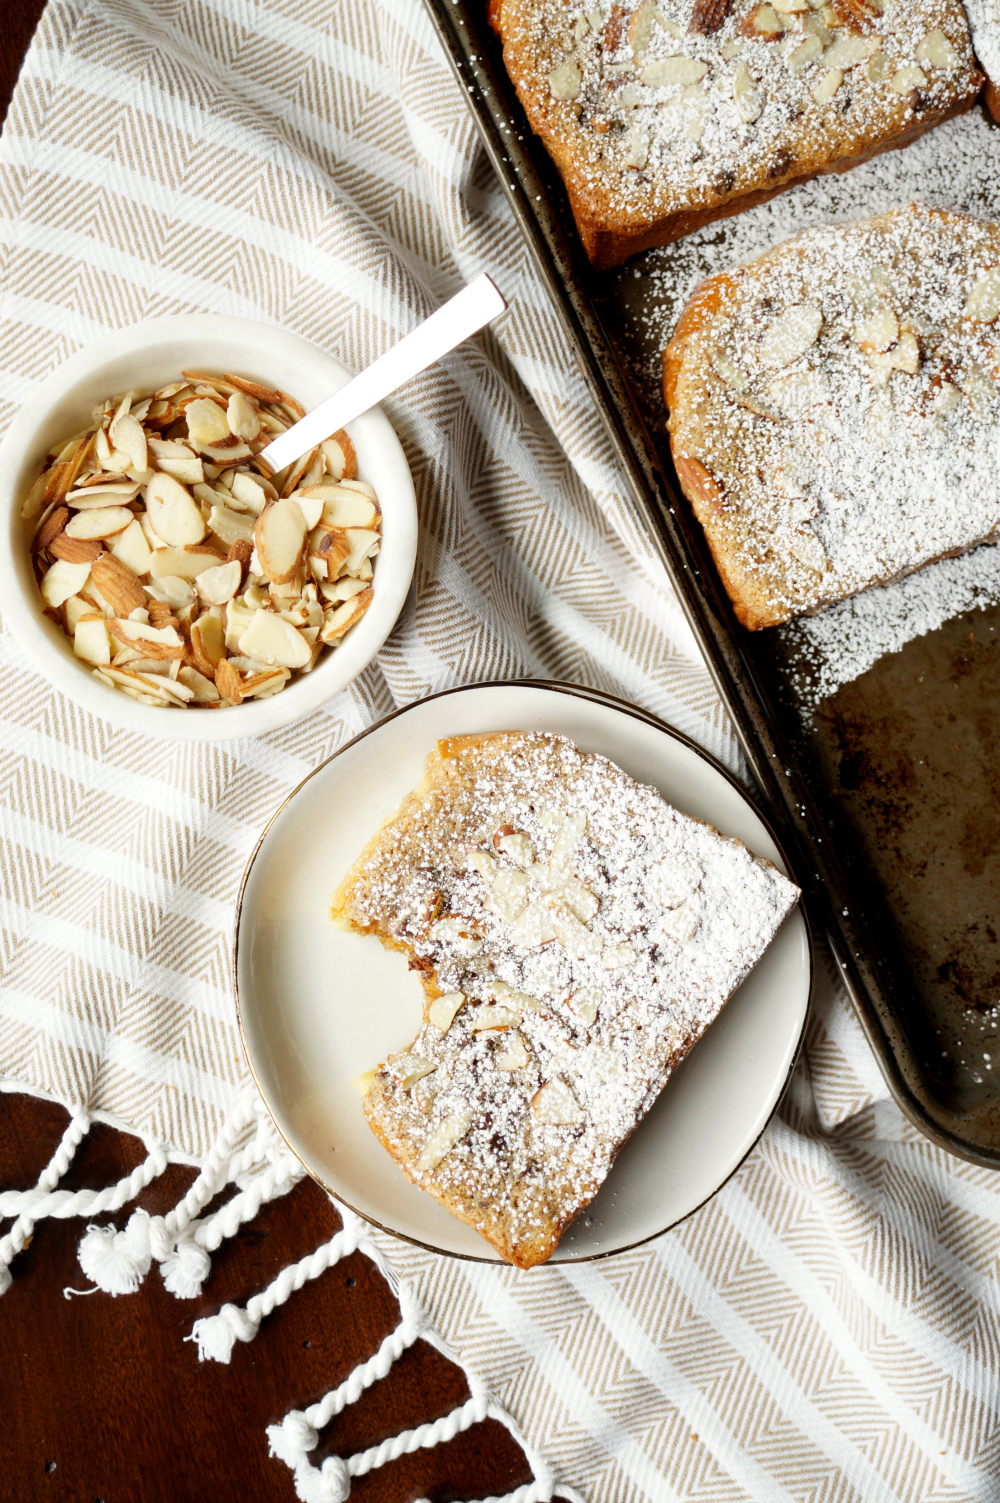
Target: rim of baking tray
x=579, y=691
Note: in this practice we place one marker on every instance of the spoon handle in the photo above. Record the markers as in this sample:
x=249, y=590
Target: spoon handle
x=461, y=316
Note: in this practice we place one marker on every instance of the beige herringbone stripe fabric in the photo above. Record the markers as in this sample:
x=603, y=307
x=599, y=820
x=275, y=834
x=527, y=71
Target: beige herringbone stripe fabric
x=826, y=1328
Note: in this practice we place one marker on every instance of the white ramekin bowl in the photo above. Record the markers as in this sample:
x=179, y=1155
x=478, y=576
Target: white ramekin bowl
x=146, y=356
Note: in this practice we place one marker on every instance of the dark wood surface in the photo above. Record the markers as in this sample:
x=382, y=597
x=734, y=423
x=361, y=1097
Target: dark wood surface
x=102, y=1400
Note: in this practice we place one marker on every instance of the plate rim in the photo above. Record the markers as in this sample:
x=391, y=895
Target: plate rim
x=576, y=691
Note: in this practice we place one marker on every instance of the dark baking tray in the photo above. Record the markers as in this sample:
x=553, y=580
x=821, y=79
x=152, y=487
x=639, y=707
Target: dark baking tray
x=890, y=796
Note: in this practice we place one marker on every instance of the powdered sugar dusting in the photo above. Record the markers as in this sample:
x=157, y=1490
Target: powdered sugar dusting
x=984, y=19
x=594, y=934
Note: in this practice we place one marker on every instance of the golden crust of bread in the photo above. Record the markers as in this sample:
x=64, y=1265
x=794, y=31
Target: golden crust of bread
x=579, y=936
x=646, y=163
x=869, y=452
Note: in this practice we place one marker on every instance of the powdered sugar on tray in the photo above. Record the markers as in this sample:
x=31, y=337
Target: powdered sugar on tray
x=584, y=935
x=984, y=19
x=836, y=647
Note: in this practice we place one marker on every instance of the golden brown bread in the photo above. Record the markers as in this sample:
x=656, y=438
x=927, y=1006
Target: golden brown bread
x=574, y=936
x=834, y=407
x=659, y=126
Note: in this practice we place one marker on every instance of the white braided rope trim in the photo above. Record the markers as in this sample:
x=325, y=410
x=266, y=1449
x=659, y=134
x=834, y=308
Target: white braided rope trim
x=117, y=1261
x=10, y=1245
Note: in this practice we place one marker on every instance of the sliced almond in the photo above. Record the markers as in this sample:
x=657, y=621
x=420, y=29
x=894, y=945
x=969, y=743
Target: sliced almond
x=103, y=522
x=517, y=846
x=207, y=422
x=250, y=492
x=173, y=512
x=154, y=642
x=363, y=543
x=261, y=685
x=182, y=563
x=745, y=97
x=905, y=80
x=242, y=418
x=666, y=72
x=230, y=526
x=280, y=540
x=74, y=609
x=52, y=526
x=241, y=552
x=161, y=615
x=119, y=586
x=340, y=456
x=983, y=303
x=254, y=389
x=274, y=641
x=102, y=496
x=201, y=686
x=311, y=507
x=790, y=335
x=491, y=1016
x=878, y=332
x=555, y=1104
x=936, y=51
x=515, y=1054
x=208, y=643
x=343, y=617
x=75, y=550
x=825, y=88
x=408, y=1068
x=801, y=54
x=216, y=586
x=566, y=80
x=91, y=641
x=126, y=434
x=443, y=1139
x=228, y=682
x=762, y=24
x=443, y=1010
x=132, y=549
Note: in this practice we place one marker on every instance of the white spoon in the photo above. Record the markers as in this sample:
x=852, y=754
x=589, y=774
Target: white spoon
x=454, y=322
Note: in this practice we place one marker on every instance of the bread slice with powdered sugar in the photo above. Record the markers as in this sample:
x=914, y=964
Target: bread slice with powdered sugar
x=835, y=408
x=575, y=936
x=663, y=115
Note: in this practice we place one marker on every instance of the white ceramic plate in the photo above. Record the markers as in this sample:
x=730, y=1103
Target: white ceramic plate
x=318, y=1006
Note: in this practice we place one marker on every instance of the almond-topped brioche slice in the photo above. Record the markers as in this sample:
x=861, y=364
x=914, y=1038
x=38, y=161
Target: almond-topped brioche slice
x=663, y=115
x=834, y=408
x=574, y=936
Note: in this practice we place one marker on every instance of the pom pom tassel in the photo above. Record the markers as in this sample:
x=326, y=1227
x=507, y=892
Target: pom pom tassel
x=117, y=1262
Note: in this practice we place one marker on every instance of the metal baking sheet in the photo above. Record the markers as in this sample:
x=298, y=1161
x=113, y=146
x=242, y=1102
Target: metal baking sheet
x=889, y=790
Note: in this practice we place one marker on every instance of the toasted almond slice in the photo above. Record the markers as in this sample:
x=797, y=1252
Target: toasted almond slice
x=983, y=303
x=208, y=643
x=230, y=526
x=791, y=334
x=228, y=682
x=248, y=490
x=443, y=1139
x=242, y=417
x=154, y=642
x=571, y=933
x=75, y=608
x=202, y=687
x=491, y=1016
x=516, y=845
x=173, y=512
x=62, y=476
x=75, y=550
x=241, y=552
x=408, y=1069
x=586, y=1003
x=216, y=586
x=340, y=456
x=311, y=507
x=443, y=1009
x=515, y=1056
x=555, y=1104
x=261, y=685
x=762, y=24
x=878, y=332
x=666, y=72
x=182, y=563
x=291, y=478
x=334, y=550
x=171, y=590
x=280, y=540
x=119, y=586
x=34, y=501
x=103, y=522
x=89, y=497
x=160, y=615
x=206, y=422
x=343, y=617
x=936, y=51
x=274, y=641
x=908, y=78
x=176, y=459
x=847, y=50
x=126, y=433
x=225, y=454
x=51, y=527
x=253, y=389
x=363, y=543
x=131, y=547
x=91, y=641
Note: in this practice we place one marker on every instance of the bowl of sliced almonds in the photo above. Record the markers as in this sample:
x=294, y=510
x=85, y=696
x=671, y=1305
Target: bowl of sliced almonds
x=155, y=562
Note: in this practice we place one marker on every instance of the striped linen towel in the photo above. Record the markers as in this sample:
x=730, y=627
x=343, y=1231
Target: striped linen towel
x=826, y=1328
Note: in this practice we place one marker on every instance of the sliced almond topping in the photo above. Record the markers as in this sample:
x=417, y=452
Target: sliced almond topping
x=515, y=1055
x=443, y=1010
x=343, y=506
x=131, y=547
x=847, y=51
x=340, y=456
x=905, y=80
x=103, y=522
x=91, y=641
x=208, y=643
x=340, y=620
x=745, y=96
x=443, y=1139
x=708, y=16
x=52, y=526
x=801, y=54
x=274, y=641
x=665, y=72
x=216, y=586
x=126, y=433
x=228, y=682
x=936, y=51
x=566, y=81
x=517, y=846
x=201, y=686
x=762, y=24
x=554, y=1103
x=75, y=550
x=983, y=303
x=173, y=512
x=490, y=1016
x=250, y=492
x=280, y=540
x=827, y=86
x=182, y=563
x=790, y=335
x=877, y=332
x=408, y=1069
x=242, y=418
x=118, y=585
x=154, y=642
x=230, y=526
x=207, y=423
